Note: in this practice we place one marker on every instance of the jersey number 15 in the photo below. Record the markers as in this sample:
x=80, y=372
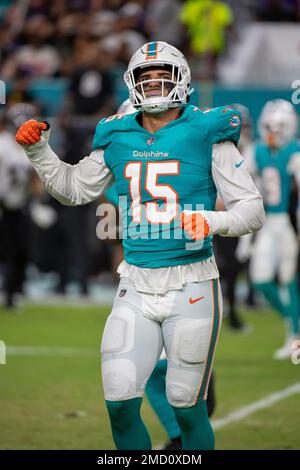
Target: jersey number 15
x=154, y=215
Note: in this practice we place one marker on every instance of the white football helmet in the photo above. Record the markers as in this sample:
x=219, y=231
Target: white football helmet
x=278, y=123
x=158, y=54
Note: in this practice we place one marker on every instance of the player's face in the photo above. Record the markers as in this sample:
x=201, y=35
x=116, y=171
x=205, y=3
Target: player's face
x=154, y=82
x=273, y=132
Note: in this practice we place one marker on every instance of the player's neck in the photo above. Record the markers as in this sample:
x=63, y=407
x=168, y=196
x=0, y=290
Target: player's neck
x=153, y=122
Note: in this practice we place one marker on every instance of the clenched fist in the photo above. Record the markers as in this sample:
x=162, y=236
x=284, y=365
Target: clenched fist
x=30, y=132
x=195, y=225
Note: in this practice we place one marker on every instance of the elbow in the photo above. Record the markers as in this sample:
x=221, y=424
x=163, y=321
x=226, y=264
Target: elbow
x=63, y=200
x=68, y=202
x=66, y=198
x=72, y=200
x=64, y=187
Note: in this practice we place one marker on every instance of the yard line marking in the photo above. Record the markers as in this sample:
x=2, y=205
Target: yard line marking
x=248, y=410
x=50, y=351
x=217, y=424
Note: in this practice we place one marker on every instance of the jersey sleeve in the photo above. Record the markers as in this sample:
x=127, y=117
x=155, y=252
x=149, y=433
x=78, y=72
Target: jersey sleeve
x=245, y=212
x=225, y=125
x=103, y=134
x=70, y=184
x=108, y=128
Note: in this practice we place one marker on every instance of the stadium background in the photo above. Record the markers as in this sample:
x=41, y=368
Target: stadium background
x=67, y=58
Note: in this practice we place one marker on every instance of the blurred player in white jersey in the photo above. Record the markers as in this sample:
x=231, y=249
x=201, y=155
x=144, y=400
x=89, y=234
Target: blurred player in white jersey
x=274, y=254
x=229, y=249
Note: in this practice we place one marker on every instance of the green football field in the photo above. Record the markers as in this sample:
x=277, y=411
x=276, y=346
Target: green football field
x=51, y=396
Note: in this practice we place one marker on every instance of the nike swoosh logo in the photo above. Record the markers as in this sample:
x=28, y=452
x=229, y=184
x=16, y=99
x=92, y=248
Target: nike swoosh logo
x=192, y=301
x=237, y=165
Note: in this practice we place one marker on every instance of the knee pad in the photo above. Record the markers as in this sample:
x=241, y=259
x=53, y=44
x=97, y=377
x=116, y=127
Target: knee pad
x=182, y=386
x=178, y=395
x=119, y=379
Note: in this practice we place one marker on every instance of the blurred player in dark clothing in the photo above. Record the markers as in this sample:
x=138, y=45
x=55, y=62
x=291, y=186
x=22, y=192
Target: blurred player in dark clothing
x=15, y=171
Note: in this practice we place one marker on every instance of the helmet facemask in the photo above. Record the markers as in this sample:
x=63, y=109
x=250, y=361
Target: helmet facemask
x=173, y=92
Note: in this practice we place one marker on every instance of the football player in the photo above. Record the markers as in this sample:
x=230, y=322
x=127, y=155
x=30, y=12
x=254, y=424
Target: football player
x=15, y=174
x=168, y=159
x=156, y=384
x=275, y=249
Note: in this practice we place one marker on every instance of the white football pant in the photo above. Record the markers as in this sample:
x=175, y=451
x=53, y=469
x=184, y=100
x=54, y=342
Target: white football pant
x=275, y=251
x=186, y=322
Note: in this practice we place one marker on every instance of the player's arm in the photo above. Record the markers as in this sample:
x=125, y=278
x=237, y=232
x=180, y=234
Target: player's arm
x=245, y=212
x=245, y=244
x=70, y=184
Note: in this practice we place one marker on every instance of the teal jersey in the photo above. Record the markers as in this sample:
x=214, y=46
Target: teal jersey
x=111, y=195
x=273, y=165
x=158, y=175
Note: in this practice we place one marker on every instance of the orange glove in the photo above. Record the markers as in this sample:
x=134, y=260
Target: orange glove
x=195, y=225
x=30, y=132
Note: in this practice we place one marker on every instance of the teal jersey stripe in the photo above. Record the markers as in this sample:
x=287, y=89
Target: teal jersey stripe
x=214, y=337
